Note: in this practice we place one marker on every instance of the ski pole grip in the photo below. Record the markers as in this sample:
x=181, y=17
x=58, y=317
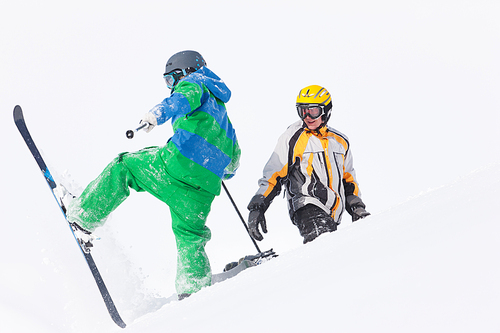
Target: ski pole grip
x=130, y=133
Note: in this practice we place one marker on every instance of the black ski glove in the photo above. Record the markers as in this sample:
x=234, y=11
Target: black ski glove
x=255, y=218
x=257, y=207
x=358, y=212
x=356, y=208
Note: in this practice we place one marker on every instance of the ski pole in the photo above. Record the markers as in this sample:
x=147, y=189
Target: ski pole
x=241, y=217
x=130, y=133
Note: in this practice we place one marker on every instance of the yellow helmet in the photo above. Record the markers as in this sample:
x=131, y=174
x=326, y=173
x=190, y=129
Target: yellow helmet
x=315, y=95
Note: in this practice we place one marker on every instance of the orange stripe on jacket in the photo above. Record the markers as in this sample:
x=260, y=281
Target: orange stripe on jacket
x=350, y=179
x=339, y=139
x=274, y=179
x=298, y=151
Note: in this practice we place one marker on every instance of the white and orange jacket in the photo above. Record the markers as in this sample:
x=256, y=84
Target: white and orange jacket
x=316, y=167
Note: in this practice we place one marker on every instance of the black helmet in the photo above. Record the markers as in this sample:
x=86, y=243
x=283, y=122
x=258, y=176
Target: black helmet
x=190, y=61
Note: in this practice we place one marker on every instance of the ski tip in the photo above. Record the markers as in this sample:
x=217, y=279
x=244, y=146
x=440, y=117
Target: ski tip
x=18, y=112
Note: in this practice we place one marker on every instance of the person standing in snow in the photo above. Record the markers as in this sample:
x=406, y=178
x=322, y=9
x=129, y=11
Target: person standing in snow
x=314, y=163
x=186, y=173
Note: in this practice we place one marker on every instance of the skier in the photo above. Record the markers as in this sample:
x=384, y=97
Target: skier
x=186, y=173
x=314, y=163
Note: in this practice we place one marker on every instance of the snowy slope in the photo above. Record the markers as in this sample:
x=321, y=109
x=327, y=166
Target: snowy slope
x=427, y=265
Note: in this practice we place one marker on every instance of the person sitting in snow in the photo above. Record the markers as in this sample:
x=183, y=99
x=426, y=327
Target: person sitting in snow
x=186, y=173
x=314, y=162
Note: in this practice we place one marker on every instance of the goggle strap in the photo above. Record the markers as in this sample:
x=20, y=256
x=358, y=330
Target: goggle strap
x=175, y=76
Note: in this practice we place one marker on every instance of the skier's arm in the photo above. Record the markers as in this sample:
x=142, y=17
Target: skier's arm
x=185, y=99
x=235, y=161
x=275, y=171
x=354, y=205
x=349, y=178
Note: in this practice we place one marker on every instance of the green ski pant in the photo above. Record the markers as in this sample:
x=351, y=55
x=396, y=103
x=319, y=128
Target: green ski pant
x=189, y=207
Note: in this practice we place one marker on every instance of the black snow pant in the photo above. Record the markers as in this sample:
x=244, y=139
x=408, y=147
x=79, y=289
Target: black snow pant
x=313, y=221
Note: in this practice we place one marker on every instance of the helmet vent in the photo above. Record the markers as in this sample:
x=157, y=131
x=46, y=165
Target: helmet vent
x=321, y=93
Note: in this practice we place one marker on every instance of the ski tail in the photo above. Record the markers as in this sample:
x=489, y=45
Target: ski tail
x=23, y=129
x=110, y=305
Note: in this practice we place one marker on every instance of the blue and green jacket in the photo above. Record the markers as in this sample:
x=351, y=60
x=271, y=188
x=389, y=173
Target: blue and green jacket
x=203, y=150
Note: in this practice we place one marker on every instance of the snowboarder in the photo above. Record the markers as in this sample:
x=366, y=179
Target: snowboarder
x=186, y=173
x=314, y=163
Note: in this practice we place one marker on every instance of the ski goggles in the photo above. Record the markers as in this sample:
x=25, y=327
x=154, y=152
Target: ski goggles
x=173, y=77
x=314, y=111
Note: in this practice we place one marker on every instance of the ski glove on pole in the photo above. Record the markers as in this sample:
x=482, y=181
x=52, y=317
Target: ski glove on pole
x=256, y=217
x=151, y=120
x=356, y=208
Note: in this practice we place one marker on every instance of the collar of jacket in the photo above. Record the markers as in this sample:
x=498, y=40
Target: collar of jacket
x=320, y=132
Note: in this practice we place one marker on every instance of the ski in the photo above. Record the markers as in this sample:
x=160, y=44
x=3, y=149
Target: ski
x=234, y=268
x=23, y=129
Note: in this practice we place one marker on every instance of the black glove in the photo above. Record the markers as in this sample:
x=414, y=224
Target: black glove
x=358, y=212
x=255, y=218
x=356, y=208
x=257, y=207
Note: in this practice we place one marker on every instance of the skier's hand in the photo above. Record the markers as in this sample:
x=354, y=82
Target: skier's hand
x=151, y=120
x=359, y=212
x=356, y=207
x=255, y=218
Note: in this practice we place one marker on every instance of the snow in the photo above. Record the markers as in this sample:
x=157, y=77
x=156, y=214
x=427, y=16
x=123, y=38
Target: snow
x=426, y=265
x=414, y=86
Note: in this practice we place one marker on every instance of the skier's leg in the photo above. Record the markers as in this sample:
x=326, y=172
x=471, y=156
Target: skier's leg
x=102, y=196
x=312, y=221
x=141, y=170
x=148, y=169
x=189, y=209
